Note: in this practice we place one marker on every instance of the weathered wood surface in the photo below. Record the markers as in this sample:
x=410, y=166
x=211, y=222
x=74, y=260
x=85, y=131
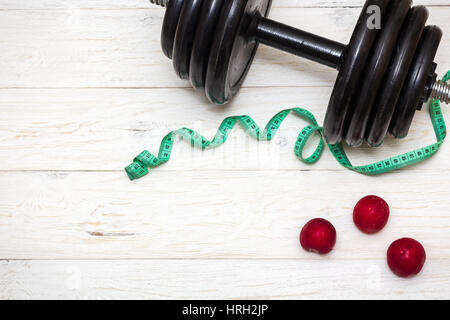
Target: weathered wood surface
x=217, y=279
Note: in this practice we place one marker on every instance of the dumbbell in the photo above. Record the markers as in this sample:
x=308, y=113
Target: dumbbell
x=386, y=72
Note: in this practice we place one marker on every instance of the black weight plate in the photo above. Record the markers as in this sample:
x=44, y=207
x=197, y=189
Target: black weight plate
x=375, y=69
x=415, y=82
x=389, y=93
x=184, y=37
x=206, y=27
x=349, y=77
x=231, y=52
x=169, y=26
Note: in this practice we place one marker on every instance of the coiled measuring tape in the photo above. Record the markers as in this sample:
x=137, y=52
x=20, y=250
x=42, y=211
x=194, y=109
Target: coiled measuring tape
x=145, y=160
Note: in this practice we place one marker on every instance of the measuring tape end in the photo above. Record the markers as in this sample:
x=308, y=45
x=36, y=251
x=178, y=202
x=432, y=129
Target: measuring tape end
x=446, y=77
x=136, y=170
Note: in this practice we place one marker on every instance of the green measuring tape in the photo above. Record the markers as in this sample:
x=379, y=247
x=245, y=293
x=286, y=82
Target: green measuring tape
x=145, y=160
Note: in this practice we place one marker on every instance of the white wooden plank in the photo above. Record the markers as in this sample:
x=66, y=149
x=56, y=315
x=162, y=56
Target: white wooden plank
x=103, y=129
x=236, y=279
x=144, y=4
x=120, y=48
x=216, y=214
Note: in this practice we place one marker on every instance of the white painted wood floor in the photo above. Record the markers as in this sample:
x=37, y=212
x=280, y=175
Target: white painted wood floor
x=84, y=87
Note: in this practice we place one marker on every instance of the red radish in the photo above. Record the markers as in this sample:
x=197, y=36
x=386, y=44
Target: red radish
x=371, y=214
x=406, y=257
x=318, y=236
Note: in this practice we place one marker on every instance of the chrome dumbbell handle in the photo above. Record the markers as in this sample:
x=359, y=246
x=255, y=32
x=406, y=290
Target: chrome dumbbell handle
x=441, y=91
